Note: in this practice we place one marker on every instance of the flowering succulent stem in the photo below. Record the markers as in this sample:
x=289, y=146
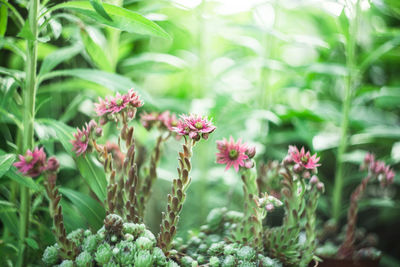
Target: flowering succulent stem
x=251, y=230
x=29, y=97
x=67, y=247
x=170, y=217
x=347, y=248
x=151, y=177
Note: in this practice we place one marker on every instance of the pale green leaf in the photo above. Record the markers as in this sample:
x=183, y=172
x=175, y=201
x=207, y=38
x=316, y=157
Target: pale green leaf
x=5, y=163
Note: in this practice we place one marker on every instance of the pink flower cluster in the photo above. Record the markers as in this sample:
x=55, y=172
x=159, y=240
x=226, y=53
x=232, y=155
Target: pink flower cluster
x=164, y=120
x=82, y=137
x=235, y=154
x=383, y=172
x=194, y=126
x=302, y=160
x=34, y=163
x=112, y=105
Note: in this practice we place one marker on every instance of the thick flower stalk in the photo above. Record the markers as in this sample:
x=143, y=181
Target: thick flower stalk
x=192, y=128
x=119, y=163
x=315, y=189
x=164, y=122
x=283, y=242
x=240, y=156
x=34, y=164
x=377, y=170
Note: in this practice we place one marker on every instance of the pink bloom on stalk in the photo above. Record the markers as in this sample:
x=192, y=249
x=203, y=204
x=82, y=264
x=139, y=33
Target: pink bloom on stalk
x=168, y=120
x=134, y=99
x=148, y=119
x=115, y=104
x=33, y=163
x=302, y=158
x=194, y=126
x=231, y=153
x=81, y=140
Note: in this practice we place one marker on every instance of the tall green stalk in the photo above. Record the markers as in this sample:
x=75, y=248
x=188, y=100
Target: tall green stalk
x=349, y=90
x=29, y=96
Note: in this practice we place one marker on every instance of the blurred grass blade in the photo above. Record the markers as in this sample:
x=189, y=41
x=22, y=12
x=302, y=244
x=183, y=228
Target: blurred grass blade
x=14, y=175
x=3, y=19
x=5, y=163
x=57, y=57
x=98, y=6
x=122, y=19
x=96, y=53
x=88, y=207
x=92, y=173
x=9, y=219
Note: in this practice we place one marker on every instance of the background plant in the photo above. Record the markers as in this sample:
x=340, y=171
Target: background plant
x=271, y=71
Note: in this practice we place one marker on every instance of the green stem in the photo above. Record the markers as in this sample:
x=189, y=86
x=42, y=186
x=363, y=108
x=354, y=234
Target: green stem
x=29, y=96
x=350, y=62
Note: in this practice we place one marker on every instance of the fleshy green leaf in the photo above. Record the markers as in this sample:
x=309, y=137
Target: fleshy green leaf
x=123, y=19
x=57, y=57
x=32, y=243
x=98, y=6
x=5, y=163
x=92, y=211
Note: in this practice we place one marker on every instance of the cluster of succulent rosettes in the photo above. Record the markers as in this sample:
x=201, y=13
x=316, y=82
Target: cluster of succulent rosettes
x=212, y=246
x=384, y=173
x=303, y=163
x=235, y=154
x=120, y=106
x=163, y=121
x=194, y=126
x=34, y=163
x=116, y=244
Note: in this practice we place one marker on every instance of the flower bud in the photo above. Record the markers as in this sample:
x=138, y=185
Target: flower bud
x=205, y=136
x=297, y=168
x=321, y=187
x=269, y=207
x=92, y=125
x=53, y=164
x=248, y=164
x=306, y=175
x=98, y=131
x=287, y=160
x=314, y=179
x=251, y=152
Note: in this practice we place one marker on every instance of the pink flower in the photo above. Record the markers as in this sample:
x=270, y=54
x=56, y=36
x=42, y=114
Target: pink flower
x=231, y=153
x=33, y=163
x=169, y=120
x=303, y=159
x=81, y=140
x=134, y=99
x=194, y=126
x=112, y=105
x=379, y=169
x=148, y=119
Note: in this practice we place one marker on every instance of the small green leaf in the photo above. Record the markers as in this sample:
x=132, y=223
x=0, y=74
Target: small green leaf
x=3, y=19
x=32, y=243
x=122, y=19
x=96, y=53
x=26, y=32
x=98, y=6
x=89, y=208
x=57, y=57
x=5, y=163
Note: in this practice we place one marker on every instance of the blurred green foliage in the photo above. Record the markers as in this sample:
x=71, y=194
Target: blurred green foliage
x=272, y=72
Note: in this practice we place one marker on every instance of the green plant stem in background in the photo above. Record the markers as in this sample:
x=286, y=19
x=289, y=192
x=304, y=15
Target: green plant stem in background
x=113, y=40
x=29, y=96
x=350, y=81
